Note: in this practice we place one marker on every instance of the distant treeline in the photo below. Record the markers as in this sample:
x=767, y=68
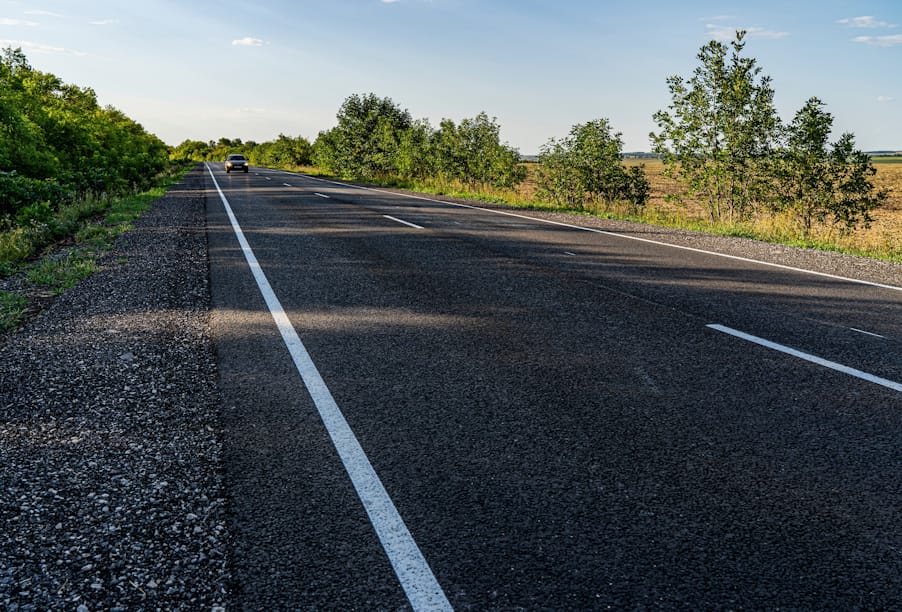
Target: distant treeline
x=57, y=144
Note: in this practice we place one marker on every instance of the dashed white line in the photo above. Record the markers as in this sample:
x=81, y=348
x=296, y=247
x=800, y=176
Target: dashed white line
x=411, y=568
x=867, y=333
x=408, y=223
x=808, y=357
x=569, y=253
x=322, y=195
x=287, y=185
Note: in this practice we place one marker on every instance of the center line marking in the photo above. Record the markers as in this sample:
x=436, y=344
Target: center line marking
x=812, y=358
x=408, y=223
x=861, y=331
x=419, y=584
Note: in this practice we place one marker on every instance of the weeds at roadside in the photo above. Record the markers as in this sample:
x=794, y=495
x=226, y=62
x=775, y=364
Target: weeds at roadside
x=13, y=308
x=65, y=273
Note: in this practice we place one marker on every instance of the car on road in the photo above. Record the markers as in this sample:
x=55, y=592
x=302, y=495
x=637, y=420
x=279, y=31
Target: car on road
x=236, y=162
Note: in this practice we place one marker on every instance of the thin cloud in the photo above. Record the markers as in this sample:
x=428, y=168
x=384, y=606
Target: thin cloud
x=884, y=99
x=45, y=14
x=865, y=21
x=17, y=22
x=880, y=41
x=33, y=47
x=247, y=41
x=103, y=22
x=720, y=32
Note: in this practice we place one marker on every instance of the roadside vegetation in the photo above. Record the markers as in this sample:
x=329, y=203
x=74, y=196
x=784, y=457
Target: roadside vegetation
x=73, y=176
x=724, y=162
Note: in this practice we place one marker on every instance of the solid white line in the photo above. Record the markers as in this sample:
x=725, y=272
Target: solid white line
x=861, y=331
x=321, y=195
x=807, y=357
x=408, y=223
x=417, y=580
x=618, y=235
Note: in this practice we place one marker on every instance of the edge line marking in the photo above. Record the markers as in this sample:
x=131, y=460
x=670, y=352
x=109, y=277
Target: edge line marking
x=411, y=568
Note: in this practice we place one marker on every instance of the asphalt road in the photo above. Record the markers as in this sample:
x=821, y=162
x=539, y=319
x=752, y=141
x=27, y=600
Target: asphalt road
x=550, y=412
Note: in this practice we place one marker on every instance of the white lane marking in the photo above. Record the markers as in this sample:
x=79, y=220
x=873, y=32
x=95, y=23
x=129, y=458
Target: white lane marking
x=417, y=580
x=861, y=331
x=267, y=178
x=808, y=357
x=408, y=223
x=286, y=184
x=322, y=195
x=569, y=253
x=618, y=235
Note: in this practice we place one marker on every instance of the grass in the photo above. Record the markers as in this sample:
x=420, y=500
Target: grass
x=92, y=224
x=65, y=273
x=13, y=308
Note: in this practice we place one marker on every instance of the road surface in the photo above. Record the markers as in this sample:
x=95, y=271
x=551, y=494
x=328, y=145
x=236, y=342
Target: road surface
x=429, y=405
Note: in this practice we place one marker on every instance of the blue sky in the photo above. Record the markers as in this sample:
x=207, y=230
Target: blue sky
x=203, y=69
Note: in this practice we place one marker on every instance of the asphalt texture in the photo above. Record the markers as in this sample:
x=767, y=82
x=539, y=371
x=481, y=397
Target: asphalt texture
x=549, y=411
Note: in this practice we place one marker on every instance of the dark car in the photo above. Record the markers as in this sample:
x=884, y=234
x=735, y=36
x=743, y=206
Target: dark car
x=236, y=162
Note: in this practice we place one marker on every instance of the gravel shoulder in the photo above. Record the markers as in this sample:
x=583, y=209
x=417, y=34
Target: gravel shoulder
x=109, y=432
x=111, y=489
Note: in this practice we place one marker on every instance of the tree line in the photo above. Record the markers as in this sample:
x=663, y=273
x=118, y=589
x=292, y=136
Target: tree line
x=58, y=144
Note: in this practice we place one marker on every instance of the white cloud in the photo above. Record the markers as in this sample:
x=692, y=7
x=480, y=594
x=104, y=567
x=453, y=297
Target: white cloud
x=17, y=22
x=45, y=14
x=880, y=41
x=720, y=32
x=883, y=99
x=103, y=22
x=33, y=47
x=390, y=1
x=247, y=41
x=865, y=21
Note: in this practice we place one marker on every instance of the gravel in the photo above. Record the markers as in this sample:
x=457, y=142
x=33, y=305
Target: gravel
x=112, y=494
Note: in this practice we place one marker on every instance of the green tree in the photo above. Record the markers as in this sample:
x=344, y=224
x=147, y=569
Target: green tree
x=366, y=141
x=587, y=164
x=718, y=137
x=820, y=183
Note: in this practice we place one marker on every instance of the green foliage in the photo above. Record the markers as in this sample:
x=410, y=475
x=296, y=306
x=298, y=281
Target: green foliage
x=57, y=143
x=13, y=308
x=65, y=273
x=586, y=165
x=718, y=137
x=376, y=139
x=723, y=141
x=820, y=184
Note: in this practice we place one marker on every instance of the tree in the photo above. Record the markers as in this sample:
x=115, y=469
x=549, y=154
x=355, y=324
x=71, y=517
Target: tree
x=366, y=140
x=819, y=183
x=587, y=165
x=719, y=135
x=472, y=152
